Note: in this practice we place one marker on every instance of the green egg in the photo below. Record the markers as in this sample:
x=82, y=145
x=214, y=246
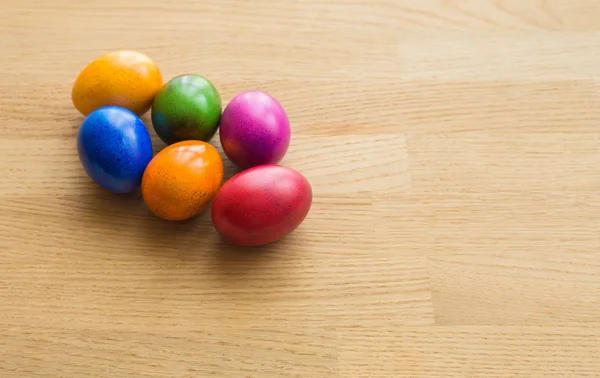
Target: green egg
x=187, y=107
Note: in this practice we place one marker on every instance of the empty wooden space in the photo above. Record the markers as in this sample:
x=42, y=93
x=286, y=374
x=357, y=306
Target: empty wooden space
x=454, y=153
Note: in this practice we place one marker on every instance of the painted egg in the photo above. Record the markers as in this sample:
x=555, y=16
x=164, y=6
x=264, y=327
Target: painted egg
x=261, y=205
x=188, y=107
x=254, y=130
x=114, y=147
x=123, y=78
x=182, y=179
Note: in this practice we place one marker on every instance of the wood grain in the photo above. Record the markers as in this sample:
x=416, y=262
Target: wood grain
x=453, y=148
x=474, y=351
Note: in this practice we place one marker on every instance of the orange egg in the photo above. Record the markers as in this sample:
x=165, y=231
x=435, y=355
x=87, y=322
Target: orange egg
x=123, y=78
x=182, y=179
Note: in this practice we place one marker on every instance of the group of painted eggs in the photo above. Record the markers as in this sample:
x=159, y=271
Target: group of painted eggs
x=259, y=205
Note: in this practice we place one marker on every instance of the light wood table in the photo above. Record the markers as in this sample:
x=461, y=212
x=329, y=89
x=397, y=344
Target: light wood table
x=454, y=152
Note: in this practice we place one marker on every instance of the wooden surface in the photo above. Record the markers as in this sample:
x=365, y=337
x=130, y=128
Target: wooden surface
x=454, y=152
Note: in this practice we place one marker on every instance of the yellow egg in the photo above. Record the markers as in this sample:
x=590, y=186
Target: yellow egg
x=123, y=78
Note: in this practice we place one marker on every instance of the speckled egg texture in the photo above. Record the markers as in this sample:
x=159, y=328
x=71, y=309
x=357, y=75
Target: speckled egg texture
x=261, y=205
x=114, y=147
x=254, y=130
x=123, y=78
x=188, y=107
x=182, y=179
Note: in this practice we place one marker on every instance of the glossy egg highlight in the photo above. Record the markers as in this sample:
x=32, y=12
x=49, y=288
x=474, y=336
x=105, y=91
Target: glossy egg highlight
x=254, y=130
x=261, y=205
x=187, y=107
x=182, y=179
x=123, y=78
x=114, y=148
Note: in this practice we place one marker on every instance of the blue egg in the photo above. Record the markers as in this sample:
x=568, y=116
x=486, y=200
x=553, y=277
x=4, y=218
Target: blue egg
x=114, y=147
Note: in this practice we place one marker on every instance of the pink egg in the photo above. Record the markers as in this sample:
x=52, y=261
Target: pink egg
x=254, y=130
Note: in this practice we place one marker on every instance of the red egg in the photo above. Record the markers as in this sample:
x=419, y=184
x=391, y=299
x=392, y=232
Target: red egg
x=261, y=205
